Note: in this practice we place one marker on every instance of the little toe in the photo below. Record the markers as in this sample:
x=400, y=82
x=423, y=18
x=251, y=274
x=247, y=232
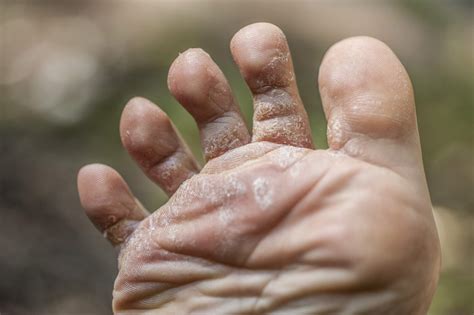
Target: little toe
x=263, y=57
x=200, y=86
x=108, y=202
x=368, y=102
x=152, y=140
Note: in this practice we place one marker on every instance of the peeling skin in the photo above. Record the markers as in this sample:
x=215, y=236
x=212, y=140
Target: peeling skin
x=200, y=86
x=278, y=118
x=152, y=140
x=108, y=202
x=286, y=156
x=217, y=139
x=285, y=244
x=277, y=130
x=266, y=65
x=274, y=226
x=173, y=170
x=273, y=104
x=263, y=193
x=338, y=131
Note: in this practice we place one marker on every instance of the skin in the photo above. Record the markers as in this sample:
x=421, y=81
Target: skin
x=271, y=225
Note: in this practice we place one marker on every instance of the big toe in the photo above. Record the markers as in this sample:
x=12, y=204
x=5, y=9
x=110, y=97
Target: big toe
x=369, y=104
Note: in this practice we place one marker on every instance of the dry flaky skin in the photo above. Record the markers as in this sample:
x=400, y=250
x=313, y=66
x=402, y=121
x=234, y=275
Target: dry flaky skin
x=273, y=226
x=290, y=231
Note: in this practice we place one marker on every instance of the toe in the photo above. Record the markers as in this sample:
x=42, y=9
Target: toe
x=152, y=140
x=368, y=101
x=200, y=86
x=263, y=57
x=108, y=202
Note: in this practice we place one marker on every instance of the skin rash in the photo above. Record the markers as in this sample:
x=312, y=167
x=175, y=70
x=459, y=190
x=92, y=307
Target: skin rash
x=271, y=225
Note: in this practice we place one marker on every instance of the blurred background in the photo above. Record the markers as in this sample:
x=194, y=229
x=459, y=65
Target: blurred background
x=68, y=67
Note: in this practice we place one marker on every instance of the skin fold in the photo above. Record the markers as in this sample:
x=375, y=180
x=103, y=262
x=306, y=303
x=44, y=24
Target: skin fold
x=271, y=225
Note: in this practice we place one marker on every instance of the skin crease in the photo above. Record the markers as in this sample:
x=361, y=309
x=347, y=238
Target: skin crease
x=271, y=225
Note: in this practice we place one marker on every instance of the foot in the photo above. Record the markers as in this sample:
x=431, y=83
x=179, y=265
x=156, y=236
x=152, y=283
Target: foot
x=270, y=224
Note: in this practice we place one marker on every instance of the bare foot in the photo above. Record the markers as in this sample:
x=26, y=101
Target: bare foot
x=270, y=225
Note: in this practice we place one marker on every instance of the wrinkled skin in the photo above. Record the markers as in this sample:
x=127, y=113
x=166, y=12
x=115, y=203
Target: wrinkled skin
x=270, y=225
